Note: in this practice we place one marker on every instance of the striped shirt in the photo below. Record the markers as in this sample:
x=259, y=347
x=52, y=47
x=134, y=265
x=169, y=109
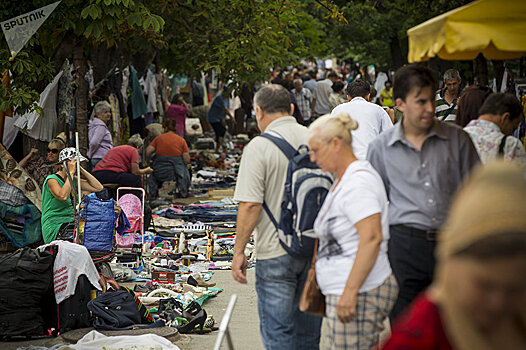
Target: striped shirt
x=443, y=107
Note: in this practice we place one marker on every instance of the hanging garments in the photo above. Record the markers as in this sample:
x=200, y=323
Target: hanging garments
x=36, y=126
x=115, y=112
x=137, y=101
x=150, y=85
x=64, y=98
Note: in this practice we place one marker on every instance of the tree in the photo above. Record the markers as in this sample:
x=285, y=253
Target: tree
x=75, y=28
x=376, y=32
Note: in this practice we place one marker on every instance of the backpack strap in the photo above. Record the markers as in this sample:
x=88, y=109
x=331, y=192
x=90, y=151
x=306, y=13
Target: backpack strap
x=289, y=152
x=502, y=145
x=282, y=144
x=449, y=110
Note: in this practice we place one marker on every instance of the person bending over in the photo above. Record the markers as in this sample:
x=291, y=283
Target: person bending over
x=121, y=165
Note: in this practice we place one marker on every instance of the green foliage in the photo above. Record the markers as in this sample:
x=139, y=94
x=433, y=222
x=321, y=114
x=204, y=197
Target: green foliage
x=375, y=24
x=90, y=23
x=239, y=39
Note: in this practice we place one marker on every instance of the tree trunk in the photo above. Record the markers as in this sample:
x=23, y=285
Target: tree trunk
x=481, y=70
x=80, y=98
x=396, y=52
x=498, y=72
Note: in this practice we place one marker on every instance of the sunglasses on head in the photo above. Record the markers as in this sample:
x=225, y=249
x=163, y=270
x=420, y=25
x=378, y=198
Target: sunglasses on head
x=52, y=150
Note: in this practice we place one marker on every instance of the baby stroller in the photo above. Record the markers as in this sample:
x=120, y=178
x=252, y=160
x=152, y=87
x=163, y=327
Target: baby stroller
x=129, y=253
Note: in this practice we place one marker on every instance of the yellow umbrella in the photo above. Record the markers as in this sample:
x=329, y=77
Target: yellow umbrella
x=495, y=28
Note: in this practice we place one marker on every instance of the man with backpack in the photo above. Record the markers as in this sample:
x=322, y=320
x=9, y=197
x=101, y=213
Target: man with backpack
x=261, y=184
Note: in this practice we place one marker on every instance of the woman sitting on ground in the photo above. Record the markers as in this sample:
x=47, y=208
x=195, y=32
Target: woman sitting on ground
x=57, y=207
x=352, y=268
x=478, y=298
x=171, y=157
x=100, y=141
x=121, y=165
x=38, y=167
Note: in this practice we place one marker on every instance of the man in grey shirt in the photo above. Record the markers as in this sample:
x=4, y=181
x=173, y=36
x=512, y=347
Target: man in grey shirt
x=422, y=162
x=320, y=101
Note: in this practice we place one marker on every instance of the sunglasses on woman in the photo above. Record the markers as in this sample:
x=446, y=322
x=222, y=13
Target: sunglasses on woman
x=52, y=150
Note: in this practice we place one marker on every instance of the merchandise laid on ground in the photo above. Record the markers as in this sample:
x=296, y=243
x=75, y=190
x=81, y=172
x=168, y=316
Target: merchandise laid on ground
x=141, y=287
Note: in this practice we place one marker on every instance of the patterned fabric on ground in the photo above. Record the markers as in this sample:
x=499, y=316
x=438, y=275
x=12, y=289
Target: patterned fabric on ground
x=363, y=332
x=17, y=176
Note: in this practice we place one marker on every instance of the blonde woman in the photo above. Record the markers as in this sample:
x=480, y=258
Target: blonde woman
x=352, y=268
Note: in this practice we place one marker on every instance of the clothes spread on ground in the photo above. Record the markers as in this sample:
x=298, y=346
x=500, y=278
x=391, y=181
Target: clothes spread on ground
x=96, y=341
x=72, y=261
x=42, y=127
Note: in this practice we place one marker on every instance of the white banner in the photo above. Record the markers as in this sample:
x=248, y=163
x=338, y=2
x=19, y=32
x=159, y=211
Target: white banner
x=20, y=29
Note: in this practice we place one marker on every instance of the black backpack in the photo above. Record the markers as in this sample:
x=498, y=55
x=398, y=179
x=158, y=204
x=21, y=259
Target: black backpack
x=114, y=311
x=26, y=276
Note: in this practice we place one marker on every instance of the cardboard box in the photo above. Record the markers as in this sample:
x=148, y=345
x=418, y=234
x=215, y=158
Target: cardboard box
x=163, y=277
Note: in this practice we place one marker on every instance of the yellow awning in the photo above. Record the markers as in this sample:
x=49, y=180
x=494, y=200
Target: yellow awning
x=495, y=28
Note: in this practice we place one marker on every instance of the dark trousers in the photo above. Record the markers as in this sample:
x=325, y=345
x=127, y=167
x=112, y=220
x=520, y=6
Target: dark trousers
x=123, y=179
x=412, y=257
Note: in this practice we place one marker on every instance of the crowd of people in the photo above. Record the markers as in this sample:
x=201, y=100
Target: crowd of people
x=424, y=223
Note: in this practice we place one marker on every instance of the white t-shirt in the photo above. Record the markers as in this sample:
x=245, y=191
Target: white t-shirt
x=372, y=121
x=359, y=194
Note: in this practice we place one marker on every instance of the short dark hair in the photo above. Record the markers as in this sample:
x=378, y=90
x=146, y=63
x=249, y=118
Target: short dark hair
x=410, y=76
x=500, y=103
x=273, y=98
x=358, y=88
x=338, y=86
x=332, y=75
x=175, y=99
x=469, y=103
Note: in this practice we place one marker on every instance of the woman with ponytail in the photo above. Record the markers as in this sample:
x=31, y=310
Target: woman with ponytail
x=352, y=268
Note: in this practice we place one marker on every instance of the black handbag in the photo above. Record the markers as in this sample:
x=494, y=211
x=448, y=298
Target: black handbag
x=114, y=311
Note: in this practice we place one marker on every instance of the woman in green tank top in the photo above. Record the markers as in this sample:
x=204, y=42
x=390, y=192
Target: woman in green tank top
x=57, y=206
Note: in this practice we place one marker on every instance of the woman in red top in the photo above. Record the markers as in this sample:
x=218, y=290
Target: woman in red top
x=478, y=298
x=121, y=165
x=171, y=159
